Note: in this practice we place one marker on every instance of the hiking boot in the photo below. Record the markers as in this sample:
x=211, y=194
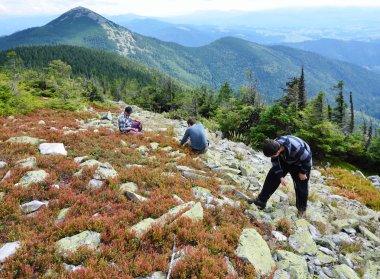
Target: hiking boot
x=260, y=204
x=301, y=214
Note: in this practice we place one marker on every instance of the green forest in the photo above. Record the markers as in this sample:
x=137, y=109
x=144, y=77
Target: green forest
x=66, y=77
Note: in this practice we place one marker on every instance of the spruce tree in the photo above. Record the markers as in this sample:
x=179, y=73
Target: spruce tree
x=302, y=97
x=329, y=112
x=369, y=138
x=339, y=110
x=352, y=117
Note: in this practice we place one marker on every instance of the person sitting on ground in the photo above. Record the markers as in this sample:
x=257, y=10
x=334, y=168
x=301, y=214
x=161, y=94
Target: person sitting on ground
x=289, y=154
x=127, y=125
x=197, y=134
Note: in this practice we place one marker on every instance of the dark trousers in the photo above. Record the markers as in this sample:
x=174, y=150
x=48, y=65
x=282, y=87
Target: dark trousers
x=301, y=187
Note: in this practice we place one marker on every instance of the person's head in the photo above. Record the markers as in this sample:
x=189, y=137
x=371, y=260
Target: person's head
x=191, y=122
x=271, y=148
x=128, y=110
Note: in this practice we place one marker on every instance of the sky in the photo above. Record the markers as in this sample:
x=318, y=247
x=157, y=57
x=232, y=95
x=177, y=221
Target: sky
x=164, y=8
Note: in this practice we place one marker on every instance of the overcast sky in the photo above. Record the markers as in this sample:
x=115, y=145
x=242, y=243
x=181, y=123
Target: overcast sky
x=163, y=7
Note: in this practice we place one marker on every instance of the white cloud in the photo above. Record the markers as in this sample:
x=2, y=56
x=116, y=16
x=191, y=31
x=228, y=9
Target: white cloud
x=163, y=7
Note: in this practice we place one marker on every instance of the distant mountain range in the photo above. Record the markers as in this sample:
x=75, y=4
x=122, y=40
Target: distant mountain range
x=225, y=60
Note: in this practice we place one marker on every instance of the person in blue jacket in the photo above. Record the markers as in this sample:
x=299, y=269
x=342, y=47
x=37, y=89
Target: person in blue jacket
x=289, y=154
x=195, y=136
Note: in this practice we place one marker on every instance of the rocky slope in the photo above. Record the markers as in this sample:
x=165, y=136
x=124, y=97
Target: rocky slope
x=96, y=209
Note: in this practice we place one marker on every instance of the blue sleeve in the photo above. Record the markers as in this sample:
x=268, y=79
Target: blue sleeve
x=185, y=136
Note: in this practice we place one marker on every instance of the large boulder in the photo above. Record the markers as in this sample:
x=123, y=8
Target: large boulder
x=32, y=177
x=8, y=249
x=195, y=213
x=252, y=248
x=344, y=272
x=52, y=149
x=89, y=239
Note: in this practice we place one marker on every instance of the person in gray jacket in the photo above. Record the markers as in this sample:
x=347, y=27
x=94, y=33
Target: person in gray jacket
x=197, y=134
x=289, y=154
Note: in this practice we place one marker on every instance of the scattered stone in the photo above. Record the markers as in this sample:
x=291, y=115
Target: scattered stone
x=225, y=170
x=279, y=236
x=90, y=163
x=80, y=160
x=369, y=235
x=8, y=249
x=128, y=187
x=295, y=265
x=143, y=149
x=195, y=213
x=52, y=149
x=30, y=177
x=135, y=197
x=344, y=272
x=41, y=122
x=71, y=244
x=95, y=183
x=30, y=162
x=230, y=268
x=341, y=224
x=61, y=215
x=281, y=274
x=29, y=140
x=71, y=268
x=371, y=270
x=105, y=171
x=123, y=143
x=303, y=243
x=177, y=198
x=3, y=164
x=240, y=195
x=154, y=145
x=252, y=248
x=142, y=227
x=2, y=194
x=6, y=176
x=32, y=206
x=155, y=275
x=107, y=116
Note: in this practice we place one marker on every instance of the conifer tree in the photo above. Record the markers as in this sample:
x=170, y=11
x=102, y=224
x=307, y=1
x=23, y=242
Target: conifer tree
x=352, y=117
x=290, y=97
x=302, y=97
x=329, y=112
x=369, y=138
x=339, y=110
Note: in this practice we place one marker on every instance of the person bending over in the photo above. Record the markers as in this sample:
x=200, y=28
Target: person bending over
x=197, y=135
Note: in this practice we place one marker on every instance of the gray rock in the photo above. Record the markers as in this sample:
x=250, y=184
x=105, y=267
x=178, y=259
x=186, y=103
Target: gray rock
x=32, y=206
x=279, y=236
x=369, y=235
x=193, y=175
x=41, y=122
x=95, y=183
x=3, y=164
x=328, y=272
x=154, y=145
x=341, y=224
x=155, y=275
x=30, y=162
x=142, y=227
x=62, y=214
x=8, y=249
x=281, y=274
x=2, y=194
x=6, y=176
x=80, y=160
x=32, y=177
x=72, y=268
x=303, y=243
x=105, y=171
x=344, y=272
x=195, y=213
x=90, y=163
x=107, y=116
x=224, y=170
x=371, y=270
x=52, y=149
x=240, y=195
x=135, y=197
x=253, y=249
x=29, y=140
x=128, y=187
x=295, y=265
x=89, y=239
x=178, y=199
x=230, y=268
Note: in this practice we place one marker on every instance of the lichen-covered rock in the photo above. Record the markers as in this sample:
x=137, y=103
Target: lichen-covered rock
x=8, y=249
x=370, y=235
x=128, y=187
x=341, y=224
x=303, y=243
x=252, y=248
x=90, y=163
x=143, y=226
x=62, y=214
x=195, y=213
x=105, y=171
x=371, y=270
x=29, y=140
x=30, y=162
x=295, y=265
x=52, y=149
x=344, y=272
x=30, y=177
x=3, y=164
x=135, y=197
x=89, y=239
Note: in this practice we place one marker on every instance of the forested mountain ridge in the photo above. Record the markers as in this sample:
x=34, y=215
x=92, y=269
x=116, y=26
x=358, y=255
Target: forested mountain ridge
x=225, y=60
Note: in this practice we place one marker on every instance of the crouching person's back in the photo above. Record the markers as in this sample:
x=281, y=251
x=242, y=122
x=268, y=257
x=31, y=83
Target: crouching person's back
x=195, y=136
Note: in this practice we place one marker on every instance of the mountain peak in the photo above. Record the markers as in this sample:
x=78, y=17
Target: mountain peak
x=79, y=13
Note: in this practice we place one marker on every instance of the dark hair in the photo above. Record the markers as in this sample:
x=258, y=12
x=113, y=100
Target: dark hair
x=270, y=147
x=191, y=121
x=128, y=109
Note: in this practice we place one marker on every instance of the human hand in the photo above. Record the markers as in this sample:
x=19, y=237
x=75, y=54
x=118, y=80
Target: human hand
x=302, y=176
x=284, y=181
